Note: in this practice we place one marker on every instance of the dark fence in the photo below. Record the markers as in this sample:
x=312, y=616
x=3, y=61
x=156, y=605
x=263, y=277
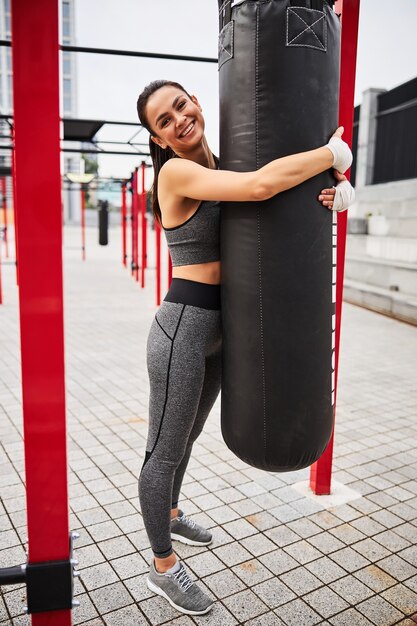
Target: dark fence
x=396, y=138
x=356, y=114
x=396, y=135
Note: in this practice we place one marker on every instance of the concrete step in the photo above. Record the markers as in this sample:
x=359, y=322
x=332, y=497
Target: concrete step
x=395, y=199
x=383, y=226
x=388, y=274
x=403, y=208
x=397, y=305
x=402, y=227
x=389, y=248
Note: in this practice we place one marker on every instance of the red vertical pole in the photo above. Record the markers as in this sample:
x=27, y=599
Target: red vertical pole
x=39, y=226
x=3, y=231
x=132, y=223
x=1, y=294
x=145, y=212
x=128, y=218
x=139, y=227
x=133, y=211
x=137, y=210
x=124, y=220
x=320, y=472
x=4, y=205
x=144, y=225
x=158, y=262
x=83, y=222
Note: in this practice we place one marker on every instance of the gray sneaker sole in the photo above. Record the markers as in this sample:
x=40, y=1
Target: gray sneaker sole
x=162, y=593
x=190, y=542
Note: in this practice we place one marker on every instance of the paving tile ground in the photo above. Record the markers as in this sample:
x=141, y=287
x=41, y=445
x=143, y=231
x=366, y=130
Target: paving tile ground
x=277, y=557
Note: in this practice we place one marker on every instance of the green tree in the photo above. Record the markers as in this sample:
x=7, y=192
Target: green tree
x=90, y=167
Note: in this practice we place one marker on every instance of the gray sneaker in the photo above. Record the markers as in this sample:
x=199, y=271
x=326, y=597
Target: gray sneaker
x=181, y=592
x=186, y=530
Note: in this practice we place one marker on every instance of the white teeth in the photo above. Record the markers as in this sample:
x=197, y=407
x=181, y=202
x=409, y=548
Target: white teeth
x=187, y=130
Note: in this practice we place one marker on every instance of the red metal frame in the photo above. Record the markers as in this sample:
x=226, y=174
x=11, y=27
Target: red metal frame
x=321, y=471
x=132, y=223
x=83, y=223
x=144, y=224
x=4, y=206
x=158, y=262
x=4, y=237
x=123, y=225
x=135, y=226
x=138, y=225
x=1, y=290
x=39, y=227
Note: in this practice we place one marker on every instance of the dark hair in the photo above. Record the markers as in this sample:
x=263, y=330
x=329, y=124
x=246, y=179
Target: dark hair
x=159, y=155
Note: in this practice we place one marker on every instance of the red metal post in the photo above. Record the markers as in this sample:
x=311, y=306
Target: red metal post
x=321, y=471
x=132, y=222
x=3, y=231
x=83, y=222
x=158, y=262
x=39, y=227
x=4, y=205
x=134, y=213
x=124, y=220
x=128, y=220
x=144, y=225
x=137, y=223
x=1, y=294
x=145, y=212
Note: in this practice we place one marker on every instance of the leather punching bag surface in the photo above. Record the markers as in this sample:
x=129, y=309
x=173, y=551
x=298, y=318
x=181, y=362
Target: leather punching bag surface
x=279, y=91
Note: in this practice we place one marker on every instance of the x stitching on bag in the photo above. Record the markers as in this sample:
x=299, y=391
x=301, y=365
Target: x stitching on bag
x=308, y=27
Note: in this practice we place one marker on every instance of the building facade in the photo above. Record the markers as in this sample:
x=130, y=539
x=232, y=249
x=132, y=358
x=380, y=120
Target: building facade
x=68, y=100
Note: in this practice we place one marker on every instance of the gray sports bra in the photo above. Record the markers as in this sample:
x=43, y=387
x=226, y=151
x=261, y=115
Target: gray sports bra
x=197, y=240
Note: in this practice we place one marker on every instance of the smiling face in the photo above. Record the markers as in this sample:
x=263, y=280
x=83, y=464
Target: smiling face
x=175, y=119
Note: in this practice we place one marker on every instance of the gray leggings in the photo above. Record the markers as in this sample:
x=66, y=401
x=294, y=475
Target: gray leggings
x=184, y=367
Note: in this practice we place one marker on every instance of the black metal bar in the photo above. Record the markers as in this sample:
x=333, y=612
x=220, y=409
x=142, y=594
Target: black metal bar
x=16, y=574
x=129, y=53
x=114, y=123
x=89, y=151
x=132, y=53
x=73, y=119
x=121, y=143
x=83, y=151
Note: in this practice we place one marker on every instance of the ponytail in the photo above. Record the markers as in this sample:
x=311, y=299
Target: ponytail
x=159, y=155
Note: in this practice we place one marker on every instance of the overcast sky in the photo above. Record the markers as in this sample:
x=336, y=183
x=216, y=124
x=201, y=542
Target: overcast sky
x=108, y=86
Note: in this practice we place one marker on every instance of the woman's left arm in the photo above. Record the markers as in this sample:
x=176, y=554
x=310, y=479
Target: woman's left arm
x=338, y=198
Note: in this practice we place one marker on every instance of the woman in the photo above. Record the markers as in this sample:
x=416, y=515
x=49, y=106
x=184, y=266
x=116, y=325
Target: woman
x=184, y=342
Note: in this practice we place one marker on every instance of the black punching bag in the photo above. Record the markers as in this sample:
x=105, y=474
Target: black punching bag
x=279, y=92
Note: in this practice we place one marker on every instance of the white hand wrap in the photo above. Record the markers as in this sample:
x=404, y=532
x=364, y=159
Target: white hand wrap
x=344, y=196
x=342, y=155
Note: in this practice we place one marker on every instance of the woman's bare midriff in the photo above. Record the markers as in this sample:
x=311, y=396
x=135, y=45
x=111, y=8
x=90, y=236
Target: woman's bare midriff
x=201, y=272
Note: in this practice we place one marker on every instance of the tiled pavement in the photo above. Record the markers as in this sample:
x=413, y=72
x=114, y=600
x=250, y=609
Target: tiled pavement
x=278, y=558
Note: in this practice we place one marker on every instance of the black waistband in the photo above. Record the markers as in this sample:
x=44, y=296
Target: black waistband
x=192, y=292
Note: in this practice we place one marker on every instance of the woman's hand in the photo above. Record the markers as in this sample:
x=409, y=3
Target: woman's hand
x=338, y=198
x=338, y=132
x=342, y=154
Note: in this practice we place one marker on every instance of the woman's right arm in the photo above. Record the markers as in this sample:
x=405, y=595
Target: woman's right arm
x=187, y=179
